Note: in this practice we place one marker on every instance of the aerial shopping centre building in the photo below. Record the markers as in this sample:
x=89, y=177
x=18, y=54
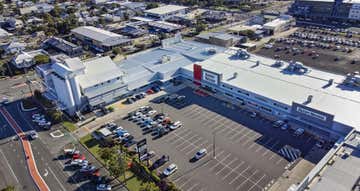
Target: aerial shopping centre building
x=319, y=100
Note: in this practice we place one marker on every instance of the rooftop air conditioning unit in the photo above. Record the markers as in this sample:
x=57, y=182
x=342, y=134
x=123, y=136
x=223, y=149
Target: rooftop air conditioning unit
x=211, y=50
x=309, y=98
x=165, y=59
x=235, y=74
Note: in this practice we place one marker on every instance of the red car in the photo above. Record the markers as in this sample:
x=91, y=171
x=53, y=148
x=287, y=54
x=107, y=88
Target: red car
x=78, y=156
x=150, y=91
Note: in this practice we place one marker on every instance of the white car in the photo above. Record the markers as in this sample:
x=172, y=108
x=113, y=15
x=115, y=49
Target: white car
x=33, y=135
x=200, y=154
x=299, y=132
x=103, y=187
x=37, y=116
x=170, y=170
x=253, y=114
x=151, y=112
x=89, y=168
x=44, y=123
x=79, y=162
x=175, y=125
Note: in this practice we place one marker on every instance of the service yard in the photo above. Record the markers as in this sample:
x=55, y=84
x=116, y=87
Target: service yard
x=246, y=148
x=325, y=49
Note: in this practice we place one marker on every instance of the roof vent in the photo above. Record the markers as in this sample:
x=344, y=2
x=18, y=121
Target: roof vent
x=211, y=50
x=278, y=64
x=331, y=81
x=242, y=54
x=165, y=59
x=296, y=67
x=235, y=74
x=309, y=99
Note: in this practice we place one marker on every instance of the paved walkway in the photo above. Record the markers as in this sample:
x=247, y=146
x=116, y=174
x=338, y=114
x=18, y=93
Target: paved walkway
x=120, y=111
x=38, y=180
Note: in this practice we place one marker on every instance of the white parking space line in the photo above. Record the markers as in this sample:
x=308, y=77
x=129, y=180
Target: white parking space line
x=257, y=182
x=278, y=162
x=192, y=187
x=218, y=172
x=247, y=179
x=184, y=183
x=234, y=169
x=237, y=133
x=251, y=138
x=238, y=176
x=184, y=148
x=219, y=162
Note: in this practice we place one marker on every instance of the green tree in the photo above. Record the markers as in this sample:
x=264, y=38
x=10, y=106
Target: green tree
x=9, y=188
x=56, y=11
x=200, y=26
x=117, y=167
x=106, y=154
x=152, y=5
x=149, y=186
x=1, y=7
x=117, y=51
x=41, y=59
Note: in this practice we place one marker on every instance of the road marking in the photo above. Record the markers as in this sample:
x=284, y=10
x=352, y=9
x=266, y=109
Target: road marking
x=62, y=187
x=219, y=162
x=257, y=182
x=184, y=183
x=247, y=179
x=239, y=174
x=193, y=186
x=46, y=173
x=234, y=169
x=218, y=172
x=270, y=149
x=7, y=163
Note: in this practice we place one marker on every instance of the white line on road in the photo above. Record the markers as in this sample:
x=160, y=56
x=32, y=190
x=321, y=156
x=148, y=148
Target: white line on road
x=257, y=182
x=7, y=163
x=218, y=172
x=238, y=176
x=234, y=169
x=193, y=186
x=247, y=179
x=62, y=187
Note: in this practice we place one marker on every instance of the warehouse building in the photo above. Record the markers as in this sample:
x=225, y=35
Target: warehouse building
x=327, y=10
x=99, y=39
x=165, y=12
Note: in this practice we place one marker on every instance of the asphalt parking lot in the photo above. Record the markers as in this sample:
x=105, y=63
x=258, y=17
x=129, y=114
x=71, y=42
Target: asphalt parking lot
x=314, y=48
x=246, y=149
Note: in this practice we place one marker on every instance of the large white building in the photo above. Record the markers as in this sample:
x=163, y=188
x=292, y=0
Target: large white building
x=165, y=12
x=79, y=84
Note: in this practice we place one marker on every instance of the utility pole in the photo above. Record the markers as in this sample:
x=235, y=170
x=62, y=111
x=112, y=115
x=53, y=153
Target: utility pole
x=214, y=145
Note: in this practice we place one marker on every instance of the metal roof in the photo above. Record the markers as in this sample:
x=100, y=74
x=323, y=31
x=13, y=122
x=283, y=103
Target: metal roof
x=107, y=38
x=165, y=9
x=286, y=87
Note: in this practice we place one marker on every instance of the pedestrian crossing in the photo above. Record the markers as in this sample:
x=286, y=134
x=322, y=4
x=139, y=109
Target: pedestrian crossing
x=290, y=153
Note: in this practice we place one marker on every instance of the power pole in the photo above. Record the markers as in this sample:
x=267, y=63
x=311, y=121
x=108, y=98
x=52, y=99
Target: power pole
x=214, y=145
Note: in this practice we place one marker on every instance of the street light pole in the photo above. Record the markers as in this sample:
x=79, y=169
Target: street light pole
x=214, y=145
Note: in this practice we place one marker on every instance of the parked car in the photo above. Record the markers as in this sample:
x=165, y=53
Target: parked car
x=278, y=123
x=79, y=162
x=285, y=126
x=175, y=125
x=200, y=154
x=299, y=132
x=130, y=143
x=161, y=161
x=103, y=187
x=170, y=169
x=33, y=135
x=253, y=114
x=320, y=143
x=87, y=169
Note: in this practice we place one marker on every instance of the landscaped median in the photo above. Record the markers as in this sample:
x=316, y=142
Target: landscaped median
x=137, y=175
x=69, y=126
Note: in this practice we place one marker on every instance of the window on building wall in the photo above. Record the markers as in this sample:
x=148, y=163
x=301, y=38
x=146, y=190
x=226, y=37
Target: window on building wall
x=266, y=109
x=228, y=94
x=108, y=81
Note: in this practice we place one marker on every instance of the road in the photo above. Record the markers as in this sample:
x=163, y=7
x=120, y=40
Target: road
x=47, y=154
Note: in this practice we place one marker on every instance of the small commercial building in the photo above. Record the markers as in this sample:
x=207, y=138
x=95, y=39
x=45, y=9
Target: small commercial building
x=26, y=59
x=63, y=46
x=99, y=39
x=165, y=12
x=220, y=39
x=164, y=27
x=282, y=23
